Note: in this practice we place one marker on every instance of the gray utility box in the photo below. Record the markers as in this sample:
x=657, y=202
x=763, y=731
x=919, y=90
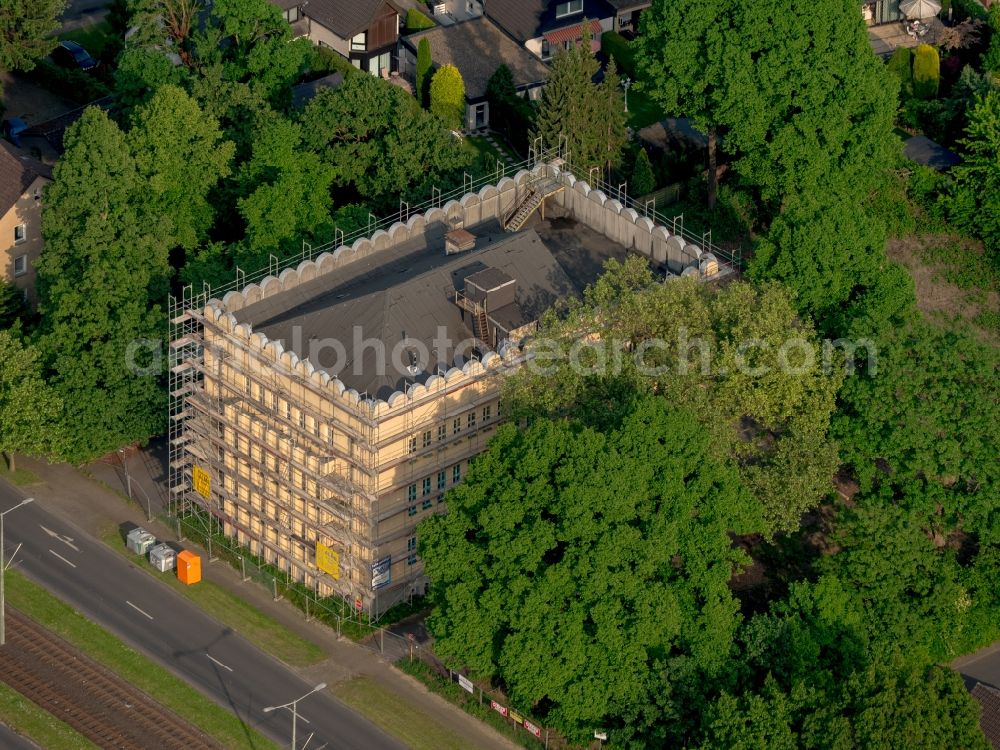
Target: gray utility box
x=162, y=557
x=139, y=540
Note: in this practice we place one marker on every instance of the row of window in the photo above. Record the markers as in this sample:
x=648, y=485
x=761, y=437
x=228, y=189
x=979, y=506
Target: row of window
x=470, y=421
x=426, y=489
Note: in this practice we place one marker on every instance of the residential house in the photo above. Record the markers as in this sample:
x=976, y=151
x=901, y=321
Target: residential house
x=477, y=48
x=366, y=32
x=627, y=14
x=21, y=182
x=543, y=26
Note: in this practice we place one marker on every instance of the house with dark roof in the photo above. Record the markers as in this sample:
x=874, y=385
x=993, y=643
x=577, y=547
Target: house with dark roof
x=477, y=48
x=543, y=26
x=366, y=32
x=21, y=181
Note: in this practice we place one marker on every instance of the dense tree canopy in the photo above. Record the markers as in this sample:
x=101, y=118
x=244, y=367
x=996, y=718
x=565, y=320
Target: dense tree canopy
x=28, y=408
x=577, y=564
x=976, y=200
x=378, y=141
x=100, y=279
x=26, y=31
x=766, y=405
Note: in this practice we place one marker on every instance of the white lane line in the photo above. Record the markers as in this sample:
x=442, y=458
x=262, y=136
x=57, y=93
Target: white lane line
x=138, y=610
x=67, y=540
x=72, y=565
x=216, y=661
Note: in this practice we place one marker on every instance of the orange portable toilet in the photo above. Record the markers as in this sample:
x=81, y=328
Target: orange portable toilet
x=188, y=567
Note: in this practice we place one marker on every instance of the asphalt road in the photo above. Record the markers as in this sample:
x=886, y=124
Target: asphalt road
x=11, y=741
x=167, y=627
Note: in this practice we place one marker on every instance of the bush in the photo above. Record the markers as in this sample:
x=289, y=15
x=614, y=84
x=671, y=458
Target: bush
x=448, y=97
x=901, y=63
x=417, y=21
x=616, y=47
x=643, y=181
x=926, y=72
x=325, y=61
x=75, y=85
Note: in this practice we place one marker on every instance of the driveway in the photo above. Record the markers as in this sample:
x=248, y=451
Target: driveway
x=84, y=13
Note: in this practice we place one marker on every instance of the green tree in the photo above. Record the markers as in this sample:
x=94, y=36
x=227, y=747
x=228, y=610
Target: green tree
x=27, y=31
x=12, y=305
x=423, y=73
x=286, y=189
x=447, y=96
x=179, y=151
x=926, y=71
x=767, y=405
x=570, y=107
x=643, y=180
x=991, y=60
x=510, y=114
x=100, y=283
x=616, y=552
x=611, y=116
x=901, y=65
x=356, y=130
x=975, y=202
x=28, y=408
x=139, y=73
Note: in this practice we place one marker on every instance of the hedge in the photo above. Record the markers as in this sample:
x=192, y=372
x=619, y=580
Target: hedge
x=417, y=21
x=615, y=46
x=926, y=71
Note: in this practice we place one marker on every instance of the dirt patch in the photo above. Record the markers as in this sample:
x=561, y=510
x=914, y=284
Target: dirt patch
x=953, y=279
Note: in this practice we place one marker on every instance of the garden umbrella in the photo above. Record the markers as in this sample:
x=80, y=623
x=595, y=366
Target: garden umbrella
x=920, y=8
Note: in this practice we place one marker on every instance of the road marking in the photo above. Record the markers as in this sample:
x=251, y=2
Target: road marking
x=62, y=558
x=138, y=610
x=67, y=540
x=219, y=663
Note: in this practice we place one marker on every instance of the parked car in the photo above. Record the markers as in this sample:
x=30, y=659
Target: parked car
x=13, y=128
x=72, y=55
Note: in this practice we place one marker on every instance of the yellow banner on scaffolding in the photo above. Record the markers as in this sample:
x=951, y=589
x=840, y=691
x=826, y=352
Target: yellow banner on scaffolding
x=328, y=560
x=202, y=481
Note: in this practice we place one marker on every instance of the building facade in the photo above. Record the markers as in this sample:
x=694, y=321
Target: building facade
x=543, y=26
x=22, y=181
x=322, y=463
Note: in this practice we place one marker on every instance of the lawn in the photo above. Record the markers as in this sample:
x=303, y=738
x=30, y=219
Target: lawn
x=145, y=674
x=642, y=110
x=252, y=624
x=29, y=719
x=478, y=145
x=389, y=711
x=20, y=477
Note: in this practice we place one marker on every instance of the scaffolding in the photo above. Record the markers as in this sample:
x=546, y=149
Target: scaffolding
x=213, y=414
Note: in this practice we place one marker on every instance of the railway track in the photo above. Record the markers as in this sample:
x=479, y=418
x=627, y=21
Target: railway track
x=97, y=703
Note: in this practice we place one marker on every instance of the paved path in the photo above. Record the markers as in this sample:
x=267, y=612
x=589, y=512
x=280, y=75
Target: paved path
x=94, y=503
x=10, y=740
x=981, y=666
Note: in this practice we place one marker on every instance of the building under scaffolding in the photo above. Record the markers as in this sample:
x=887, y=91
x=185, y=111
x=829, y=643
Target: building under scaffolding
x=317, y=413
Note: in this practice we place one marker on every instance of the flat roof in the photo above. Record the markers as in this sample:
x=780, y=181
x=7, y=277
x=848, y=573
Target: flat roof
x=365, y=322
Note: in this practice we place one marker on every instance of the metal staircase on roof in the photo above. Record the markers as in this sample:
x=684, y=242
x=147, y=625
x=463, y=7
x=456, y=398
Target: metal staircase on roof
x=536, y=190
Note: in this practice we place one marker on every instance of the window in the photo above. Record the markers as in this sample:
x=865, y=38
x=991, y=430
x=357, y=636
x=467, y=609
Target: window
x=413, y=444
x=20, y=265
x=442, y=479
x=546, y=50
x=442, y=432
x=411, y=549
x=456, y=426
x=359, y=42
x=426, y=504
x=302, y=420
x=426, y=486
x=411, y=493
x=288, y=410
x=427, y=439
x=471, y=420
x=412, y=510
x=498, y=410
x=487, y=413
x=247, y=384
x=456, y=473
x=568, y=9
x=292, y=14
x=20, y=233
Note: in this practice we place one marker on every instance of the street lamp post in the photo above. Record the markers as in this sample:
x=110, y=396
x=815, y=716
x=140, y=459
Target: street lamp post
x=626, y=82
x=3, y=568
x=292, y=706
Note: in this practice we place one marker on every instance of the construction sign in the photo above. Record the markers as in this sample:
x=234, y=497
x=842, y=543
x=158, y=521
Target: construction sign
x=328, y=560
x=202, y=481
